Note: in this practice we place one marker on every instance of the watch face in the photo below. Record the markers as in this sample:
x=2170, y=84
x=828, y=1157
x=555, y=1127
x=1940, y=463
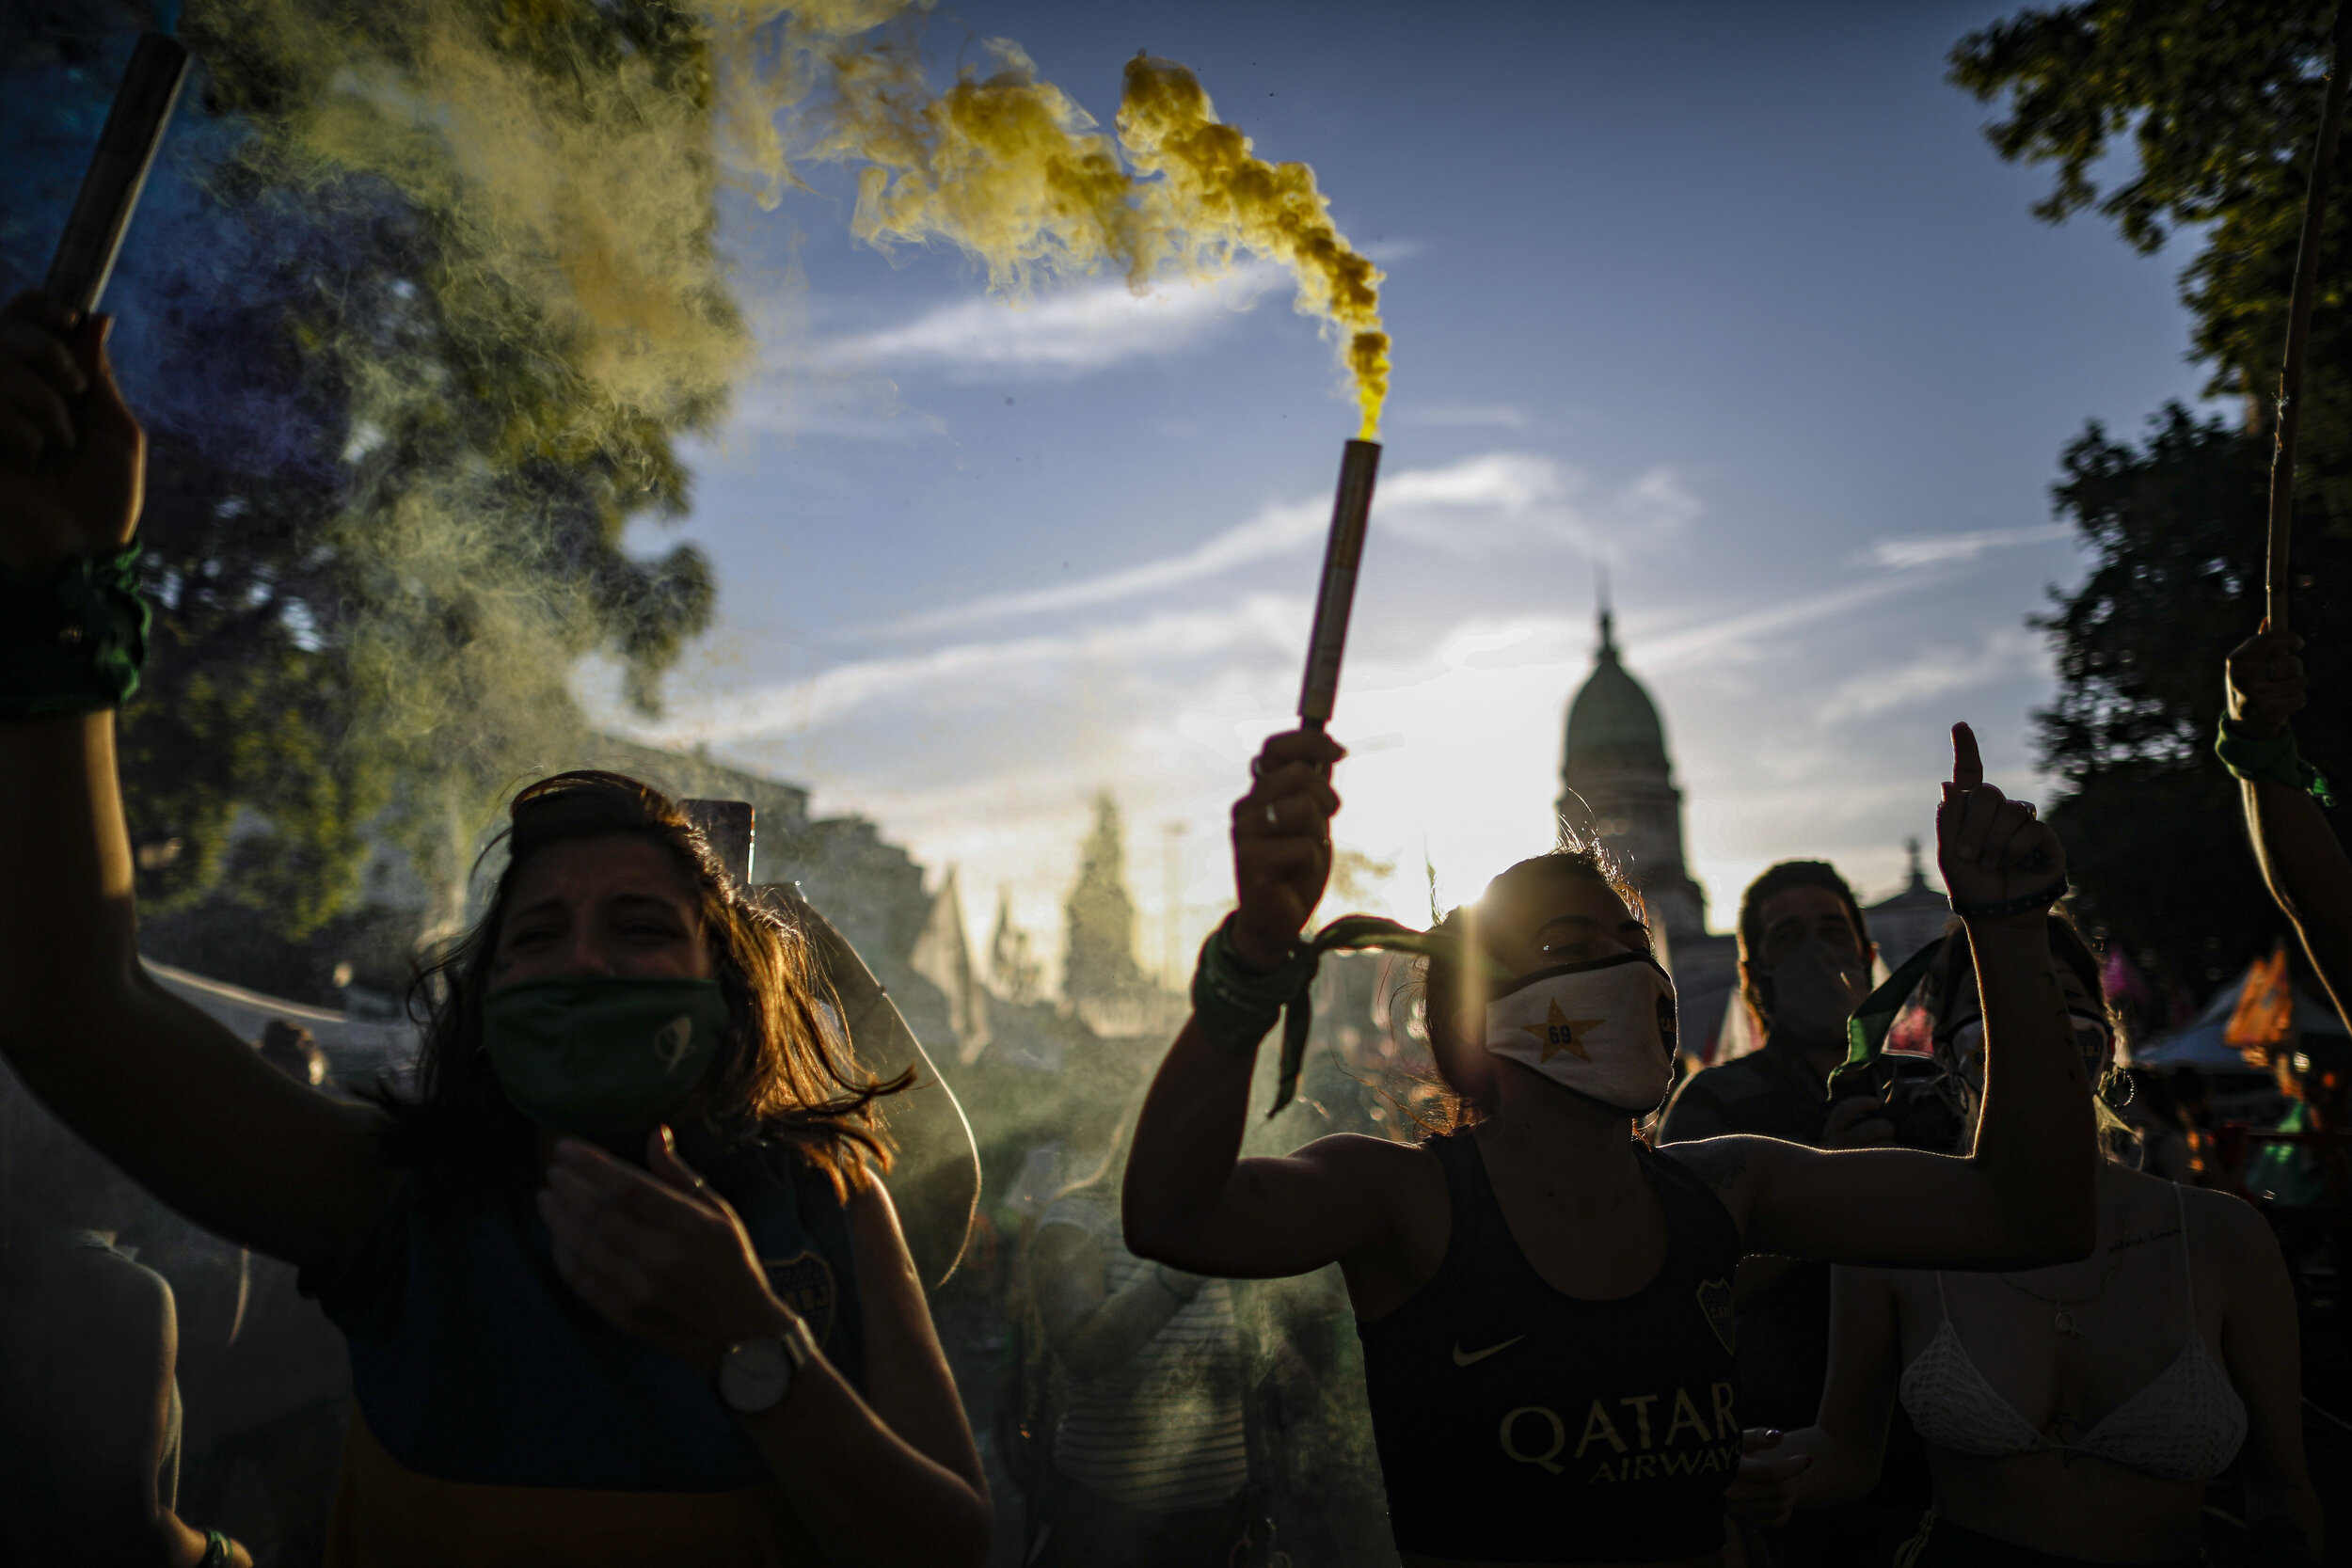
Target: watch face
x=754, y=1375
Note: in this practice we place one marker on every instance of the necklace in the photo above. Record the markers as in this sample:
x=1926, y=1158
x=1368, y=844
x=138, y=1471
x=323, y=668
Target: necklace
x=2061, y=1319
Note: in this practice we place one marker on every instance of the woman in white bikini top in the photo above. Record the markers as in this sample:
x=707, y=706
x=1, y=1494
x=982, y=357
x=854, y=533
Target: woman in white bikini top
x=2074, y=1412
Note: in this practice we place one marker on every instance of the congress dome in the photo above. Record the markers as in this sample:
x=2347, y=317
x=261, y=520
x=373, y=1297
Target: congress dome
x=1612, y=720
x=1616, y=783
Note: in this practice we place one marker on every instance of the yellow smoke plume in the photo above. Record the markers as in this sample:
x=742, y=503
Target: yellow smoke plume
x=1014, y=172
x=1004, y=165
x=570, y=203
x=576, y=198
x=1217, y=197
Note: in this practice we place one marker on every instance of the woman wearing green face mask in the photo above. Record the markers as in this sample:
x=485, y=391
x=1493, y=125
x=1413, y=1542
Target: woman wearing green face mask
x=619, y=1283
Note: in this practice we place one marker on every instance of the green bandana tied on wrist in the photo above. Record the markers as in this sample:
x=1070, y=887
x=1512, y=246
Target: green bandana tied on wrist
x=2272, y=761
x=72, y=635
x=1234, y=1006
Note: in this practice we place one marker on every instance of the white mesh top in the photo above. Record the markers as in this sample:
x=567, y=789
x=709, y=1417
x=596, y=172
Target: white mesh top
x=2184, y=1424
x=1163, y=1433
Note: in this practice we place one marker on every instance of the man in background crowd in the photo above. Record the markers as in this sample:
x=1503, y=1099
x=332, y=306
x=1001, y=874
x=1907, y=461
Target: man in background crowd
x=1805, y=965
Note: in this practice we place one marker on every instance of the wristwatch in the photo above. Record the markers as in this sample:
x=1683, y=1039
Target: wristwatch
x=755, y=1374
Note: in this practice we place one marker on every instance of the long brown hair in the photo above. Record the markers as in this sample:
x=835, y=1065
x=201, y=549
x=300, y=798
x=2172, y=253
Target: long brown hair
x=784, y=1072
x=1456, y=1047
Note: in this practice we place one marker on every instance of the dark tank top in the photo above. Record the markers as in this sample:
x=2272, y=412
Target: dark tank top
x=1519, y=1424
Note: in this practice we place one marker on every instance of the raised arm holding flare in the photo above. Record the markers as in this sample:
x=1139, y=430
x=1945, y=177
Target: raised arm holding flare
x=2301, y=858
x=1545, y=1303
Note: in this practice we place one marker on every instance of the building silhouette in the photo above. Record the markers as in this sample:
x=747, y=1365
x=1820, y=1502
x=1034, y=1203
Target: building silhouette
x=1618, y=789
x=1617, y=786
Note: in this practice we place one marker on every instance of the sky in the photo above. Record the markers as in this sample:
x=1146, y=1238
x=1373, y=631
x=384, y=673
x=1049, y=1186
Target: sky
x=1732, y=300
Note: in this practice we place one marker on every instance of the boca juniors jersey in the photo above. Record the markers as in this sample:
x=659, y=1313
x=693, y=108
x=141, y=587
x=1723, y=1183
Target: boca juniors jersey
x=499, y=1420
x=1515, y=1423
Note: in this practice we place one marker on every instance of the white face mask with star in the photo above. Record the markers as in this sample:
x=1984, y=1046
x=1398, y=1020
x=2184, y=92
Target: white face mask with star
x=1604, y=1028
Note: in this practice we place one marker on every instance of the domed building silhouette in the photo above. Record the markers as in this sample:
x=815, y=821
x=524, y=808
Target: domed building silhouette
x=1617, y=787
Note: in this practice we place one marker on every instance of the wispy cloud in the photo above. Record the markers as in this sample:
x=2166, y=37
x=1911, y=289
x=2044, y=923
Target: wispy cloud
x=1666, y=653
x=2005, y=652
x=1271, y=621
x=1270, y=532
x=1940, y=550
x=1510, y=481
x=1087, y=330
x=1478, y=503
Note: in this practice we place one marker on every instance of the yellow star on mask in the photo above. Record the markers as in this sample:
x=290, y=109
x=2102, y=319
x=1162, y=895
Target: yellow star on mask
x=1560, y=1033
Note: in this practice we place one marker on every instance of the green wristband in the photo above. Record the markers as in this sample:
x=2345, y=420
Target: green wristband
x=72, y=635
x=1235, y=1008
x=2271, y=760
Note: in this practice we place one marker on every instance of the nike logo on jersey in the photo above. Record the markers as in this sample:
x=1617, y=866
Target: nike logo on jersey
x=1463, y=1358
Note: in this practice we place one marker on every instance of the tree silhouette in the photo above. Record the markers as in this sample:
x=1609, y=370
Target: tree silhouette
x=1099, y=967
x=2219, y=104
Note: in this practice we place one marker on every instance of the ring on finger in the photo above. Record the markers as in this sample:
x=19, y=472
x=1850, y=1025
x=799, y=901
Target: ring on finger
x=1272, y=818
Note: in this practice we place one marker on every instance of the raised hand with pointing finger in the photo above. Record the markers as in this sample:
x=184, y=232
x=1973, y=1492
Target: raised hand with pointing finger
x=2000, y=860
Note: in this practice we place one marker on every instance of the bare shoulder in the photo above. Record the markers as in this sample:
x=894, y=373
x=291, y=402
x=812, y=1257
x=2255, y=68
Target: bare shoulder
x=1361, y=1154
x=876, y=1237
x=103, y=1298
x=1865, y=1283
x=1060, y=1242
x=872, y=1216
x=1395, y=1171
x=2227, y=1232
x=1727, y=1161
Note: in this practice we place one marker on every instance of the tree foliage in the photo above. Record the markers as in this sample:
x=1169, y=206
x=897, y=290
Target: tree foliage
x=2163, y=115
x=2207, y=114
x=2150, y=818
x=402, y=418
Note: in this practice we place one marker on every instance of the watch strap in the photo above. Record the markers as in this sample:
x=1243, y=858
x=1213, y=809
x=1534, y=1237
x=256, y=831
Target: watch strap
x=800, y=1345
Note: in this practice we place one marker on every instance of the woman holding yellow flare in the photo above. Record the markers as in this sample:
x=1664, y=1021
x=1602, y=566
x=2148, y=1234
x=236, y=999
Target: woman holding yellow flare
x=1545, y=1303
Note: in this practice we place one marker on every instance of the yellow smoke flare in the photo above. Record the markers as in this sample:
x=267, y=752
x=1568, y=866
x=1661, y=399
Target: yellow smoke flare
x=572, y=203
x=576, y=199
x=1005, y=166
x=1217, y=197
x=1009, y=168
